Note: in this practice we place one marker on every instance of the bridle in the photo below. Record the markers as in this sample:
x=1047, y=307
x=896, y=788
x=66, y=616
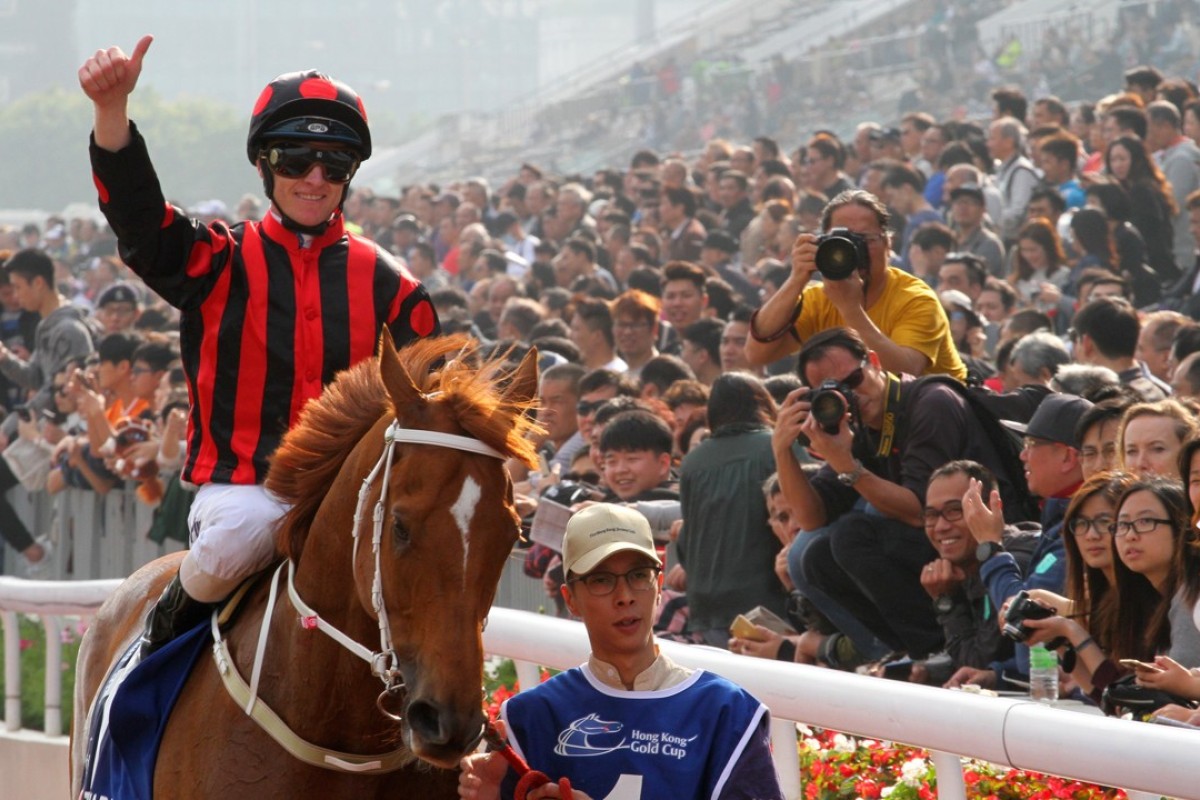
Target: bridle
x=384, y=663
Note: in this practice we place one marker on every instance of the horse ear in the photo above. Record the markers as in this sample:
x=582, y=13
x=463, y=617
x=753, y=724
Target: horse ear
x=522, y=388
x=396, y=380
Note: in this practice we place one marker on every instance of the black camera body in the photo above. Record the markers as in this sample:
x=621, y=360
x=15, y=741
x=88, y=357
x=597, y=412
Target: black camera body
x=841, y=251
x=1021, y=608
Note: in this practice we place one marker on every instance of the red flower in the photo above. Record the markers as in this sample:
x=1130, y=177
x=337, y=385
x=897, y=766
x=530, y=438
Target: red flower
x=868, y=789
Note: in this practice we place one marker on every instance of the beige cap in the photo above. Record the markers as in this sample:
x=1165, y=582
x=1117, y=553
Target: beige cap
x=600, y=530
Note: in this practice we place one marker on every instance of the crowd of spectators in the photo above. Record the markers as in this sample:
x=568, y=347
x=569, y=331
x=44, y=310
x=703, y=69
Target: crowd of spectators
x=1047, y=250
x=1047, y=247
x=93, y=395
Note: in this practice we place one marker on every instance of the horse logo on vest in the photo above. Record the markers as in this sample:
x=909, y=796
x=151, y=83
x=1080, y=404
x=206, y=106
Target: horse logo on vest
x=577, y=738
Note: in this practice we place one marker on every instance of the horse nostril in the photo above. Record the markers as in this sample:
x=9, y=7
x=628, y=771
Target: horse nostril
x=425, y=721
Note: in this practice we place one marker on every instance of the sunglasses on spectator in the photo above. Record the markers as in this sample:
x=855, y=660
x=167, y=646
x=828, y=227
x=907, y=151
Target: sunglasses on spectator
x=855, y=378
x=297, y=160
x=586, y=407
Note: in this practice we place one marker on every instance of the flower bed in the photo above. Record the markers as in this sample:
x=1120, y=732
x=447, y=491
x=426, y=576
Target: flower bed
x=834, y=766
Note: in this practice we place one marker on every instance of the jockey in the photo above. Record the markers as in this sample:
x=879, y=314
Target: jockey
x=270, y=310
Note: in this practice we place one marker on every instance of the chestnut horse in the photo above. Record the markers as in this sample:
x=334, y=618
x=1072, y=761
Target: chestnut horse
x=411, y=564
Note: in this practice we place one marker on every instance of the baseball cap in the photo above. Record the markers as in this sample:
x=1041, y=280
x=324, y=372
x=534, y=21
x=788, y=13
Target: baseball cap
x=954, y=297
x=968, y=190
x=601, y=530
x=1055, y=420
x=406, y=222
x=117, y=293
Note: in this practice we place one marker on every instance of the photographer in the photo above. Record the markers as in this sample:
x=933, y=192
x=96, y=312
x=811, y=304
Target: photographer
x=863, y=547
x=896, y=314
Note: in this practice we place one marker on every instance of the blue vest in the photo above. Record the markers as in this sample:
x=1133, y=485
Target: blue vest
x=681, y=742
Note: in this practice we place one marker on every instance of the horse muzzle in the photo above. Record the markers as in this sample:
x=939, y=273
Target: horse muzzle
x=439, y=735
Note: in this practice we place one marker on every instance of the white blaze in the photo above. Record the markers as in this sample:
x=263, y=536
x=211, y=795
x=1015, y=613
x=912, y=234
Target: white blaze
x=462, y=511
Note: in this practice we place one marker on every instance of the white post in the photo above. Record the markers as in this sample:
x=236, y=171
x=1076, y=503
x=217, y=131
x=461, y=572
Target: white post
x=527, y=674
x=12, y=671
x=950, y=783
x=786, y=757
x=53, y=721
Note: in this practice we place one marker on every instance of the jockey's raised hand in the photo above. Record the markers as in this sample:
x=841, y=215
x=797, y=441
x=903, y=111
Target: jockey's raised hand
x=107, y=78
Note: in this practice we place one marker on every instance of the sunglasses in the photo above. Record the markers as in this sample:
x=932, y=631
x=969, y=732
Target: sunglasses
x=297, y=160
x=585, y=407
x=855, y=378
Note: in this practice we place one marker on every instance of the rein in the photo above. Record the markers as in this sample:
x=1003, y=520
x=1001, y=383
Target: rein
x=384, y=662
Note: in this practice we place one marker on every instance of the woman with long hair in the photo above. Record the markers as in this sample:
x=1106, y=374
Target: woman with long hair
x=1039, y=260
x=1151, y=201
x=1156, y=582
x=1168, y=674
x=1087, y=533
x=1108, y=196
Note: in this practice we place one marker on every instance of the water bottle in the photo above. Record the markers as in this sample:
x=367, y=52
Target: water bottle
x=1043, y=674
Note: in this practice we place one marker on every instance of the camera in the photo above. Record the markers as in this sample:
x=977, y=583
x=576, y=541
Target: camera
x=1021, y=608
x=840, y=251
x=829, y=404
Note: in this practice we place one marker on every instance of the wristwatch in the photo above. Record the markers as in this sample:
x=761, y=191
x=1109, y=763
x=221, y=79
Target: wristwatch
x=943, y=604
x=986, y=550
x=850, y=478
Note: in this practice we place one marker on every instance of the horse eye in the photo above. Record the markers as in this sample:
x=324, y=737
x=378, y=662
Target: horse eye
x=399, y=533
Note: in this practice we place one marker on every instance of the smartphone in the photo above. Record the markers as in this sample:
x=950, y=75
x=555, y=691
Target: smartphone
x=1142, y=665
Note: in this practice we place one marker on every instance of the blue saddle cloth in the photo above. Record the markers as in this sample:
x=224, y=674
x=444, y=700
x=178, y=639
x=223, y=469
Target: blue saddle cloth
x=130, y=713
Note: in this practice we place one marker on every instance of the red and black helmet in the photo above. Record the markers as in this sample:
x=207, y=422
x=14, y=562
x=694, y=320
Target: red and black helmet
x=308, y=106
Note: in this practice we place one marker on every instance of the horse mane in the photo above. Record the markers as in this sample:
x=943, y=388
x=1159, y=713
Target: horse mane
x=448, y=369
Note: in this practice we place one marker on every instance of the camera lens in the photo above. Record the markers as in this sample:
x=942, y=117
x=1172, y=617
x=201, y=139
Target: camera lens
x=828, y=408
x=837, y=259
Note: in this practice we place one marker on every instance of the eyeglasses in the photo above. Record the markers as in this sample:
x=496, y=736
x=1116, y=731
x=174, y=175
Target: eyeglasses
x=1141, y=527
x=1029, y=443
x=951, y=512
x=296, y=161
x=871, y=238
x=1091, y=453
x=585, y=407
x=600, y=584
x=1101, y=525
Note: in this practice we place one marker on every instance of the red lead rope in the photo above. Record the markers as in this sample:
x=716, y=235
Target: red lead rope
x=527, y=778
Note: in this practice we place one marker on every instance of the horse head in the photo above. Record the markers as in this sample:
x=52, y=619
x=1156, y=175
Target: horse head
x=433, y=526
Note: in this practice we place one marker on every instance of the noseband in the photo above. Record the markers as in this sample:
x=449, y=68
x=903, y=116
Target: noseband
x=384, y=663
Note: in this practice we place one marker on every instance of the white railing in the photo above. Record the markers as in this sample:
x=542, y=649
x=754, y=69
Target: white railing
x=1016, y=733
